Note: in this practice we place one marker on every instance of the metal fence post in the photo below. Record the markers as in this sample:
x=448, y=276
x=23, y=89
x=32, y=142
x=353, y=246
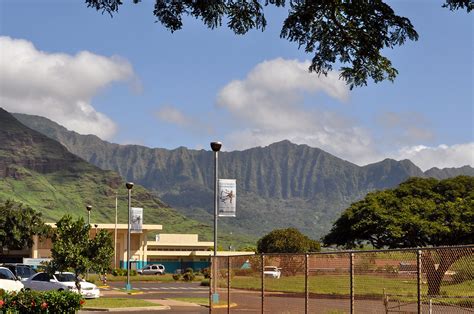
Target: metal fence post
x=228, y=284
x=263, y=281
x=306, y=292
x=418, y=279
x=352, y=281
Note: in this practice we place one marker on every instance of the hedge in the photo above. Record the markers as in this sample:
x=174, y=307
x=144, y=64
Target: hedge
x=27, y=301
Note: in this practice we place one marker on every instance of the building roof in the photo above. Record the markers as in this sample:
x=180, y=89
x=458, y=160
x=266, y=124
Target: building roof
x=119, y=226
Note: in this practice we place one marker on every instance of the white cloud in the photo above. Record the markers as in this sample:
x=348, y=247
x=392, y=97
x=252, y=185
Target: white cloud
x=57, y=85
x=268, y=103
x=404, y=128
x=442, y=156
x=173, y=115
x=269, y=106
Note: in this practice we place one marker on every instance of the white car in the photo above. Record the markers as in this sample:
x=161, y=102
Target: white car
x=272, y=271
x=61, y=282
x=153, y=269
x=8, y=281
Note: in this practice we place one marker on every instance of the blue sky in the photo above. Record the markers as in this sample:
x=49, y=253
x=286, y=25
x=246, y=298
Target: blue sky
x=129, y=80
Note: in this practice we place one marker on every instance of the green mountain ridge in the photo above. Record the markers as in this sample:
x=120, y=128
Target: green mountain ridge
x=278, y=186
x=43, y=174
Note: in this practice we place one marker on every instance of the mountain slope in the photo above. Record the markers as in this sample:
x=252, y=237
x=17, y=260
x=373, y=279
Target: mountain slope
x=42, y=173
x=280, y=185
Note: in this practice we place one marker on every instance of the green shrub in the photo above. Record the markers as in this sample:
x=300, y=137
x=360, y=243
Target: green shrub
x=119, y=272
x=40, y=302
x=189, y=270
x=176, y=277
x=205, y=283
x=205, y=272
x=243, y=272
x=189, y=276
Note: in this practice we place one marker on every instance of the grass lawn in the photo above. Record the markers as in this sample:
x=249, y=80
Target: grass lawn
x=200, y=301
x=117, y=303
x=366, y=285
x=203, y=301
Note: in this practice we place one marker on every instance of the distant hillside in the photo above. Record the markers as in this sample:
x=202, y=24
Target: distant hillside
x=42, y=173
x=449, y=172
x=280, y=185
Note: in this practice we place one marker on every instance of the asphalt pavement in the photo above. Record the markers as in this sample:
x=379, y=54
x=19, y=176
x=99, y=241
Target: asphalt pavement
x=161, y=293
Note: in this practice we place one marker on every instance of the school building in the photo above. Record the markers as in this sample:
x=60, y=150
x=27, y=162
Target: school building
x=174, y=251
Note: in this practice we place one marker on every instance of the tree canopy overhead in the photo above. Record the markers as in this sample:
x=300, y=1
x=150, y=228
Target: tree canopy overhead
x=346, y=32
x=418, y=213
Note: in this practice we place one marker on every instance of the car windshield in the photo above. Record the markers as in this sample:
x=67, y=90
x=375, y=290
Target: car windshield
x=6, y=274
x=270, y=268
x=65, y=277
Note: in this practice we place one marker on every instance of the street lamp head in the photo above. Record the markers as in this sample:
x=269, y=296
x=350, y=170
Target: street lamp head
x=129, y=185
x=89, y=208
x=216, y=146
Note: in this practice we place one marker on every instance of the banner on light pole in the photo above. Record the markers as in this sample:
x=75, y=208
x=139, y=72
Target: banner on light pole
x=227, y=197
x=136, y=219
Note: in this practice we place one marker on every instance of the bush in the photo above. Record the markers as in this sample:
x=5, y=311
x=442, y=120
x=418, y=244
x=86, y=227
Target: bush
x=189, y=276
x=176, y=277
x=205, y=283
x=206, y=273
x=123, y=272
x=40, y=302
x=244, y=272
x=119, y=272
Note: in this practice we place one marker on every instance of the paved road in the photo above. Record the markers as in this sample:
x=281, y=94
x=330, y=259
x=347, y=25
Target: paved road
x=160, y=290
x=149, y=286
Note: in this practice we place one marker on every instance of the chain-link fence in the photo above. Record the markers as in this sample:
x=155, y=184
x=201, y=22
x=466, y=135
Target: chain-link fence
x=431, y=280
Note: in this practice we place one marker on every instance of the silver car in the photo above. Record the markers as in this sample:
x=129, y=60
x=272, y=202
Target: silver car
x=153, y=269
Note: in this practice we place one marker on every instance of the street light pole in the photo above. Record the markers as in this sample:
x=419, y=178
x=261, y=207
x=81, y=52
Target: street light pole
x=216, y=147
x=129, y=186
x=89, y=208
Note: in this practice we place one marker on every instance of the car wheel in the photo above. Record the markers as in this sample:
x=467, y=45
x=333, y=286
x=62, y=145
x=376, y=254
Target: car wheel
x=60, y=289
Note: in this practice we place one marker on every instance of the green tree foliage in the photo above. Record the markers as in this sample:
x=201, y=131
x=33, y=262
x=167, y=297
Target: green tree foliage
x=418, y=213
x=289, y=240
x=73, y=248
x=352, y=33
x=18, y=225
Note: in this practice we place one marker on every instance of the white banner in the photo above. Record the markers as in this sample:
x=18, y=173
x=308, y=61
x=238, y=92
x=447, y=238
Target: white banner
x=227, y=197
x=136, y=219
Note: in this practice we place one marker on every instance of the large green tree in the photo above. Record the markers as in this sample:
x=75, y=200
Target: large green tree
x=18, y=224
x=74, y=248
x=351, y=33
x=289, y=240
x=418, y=213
